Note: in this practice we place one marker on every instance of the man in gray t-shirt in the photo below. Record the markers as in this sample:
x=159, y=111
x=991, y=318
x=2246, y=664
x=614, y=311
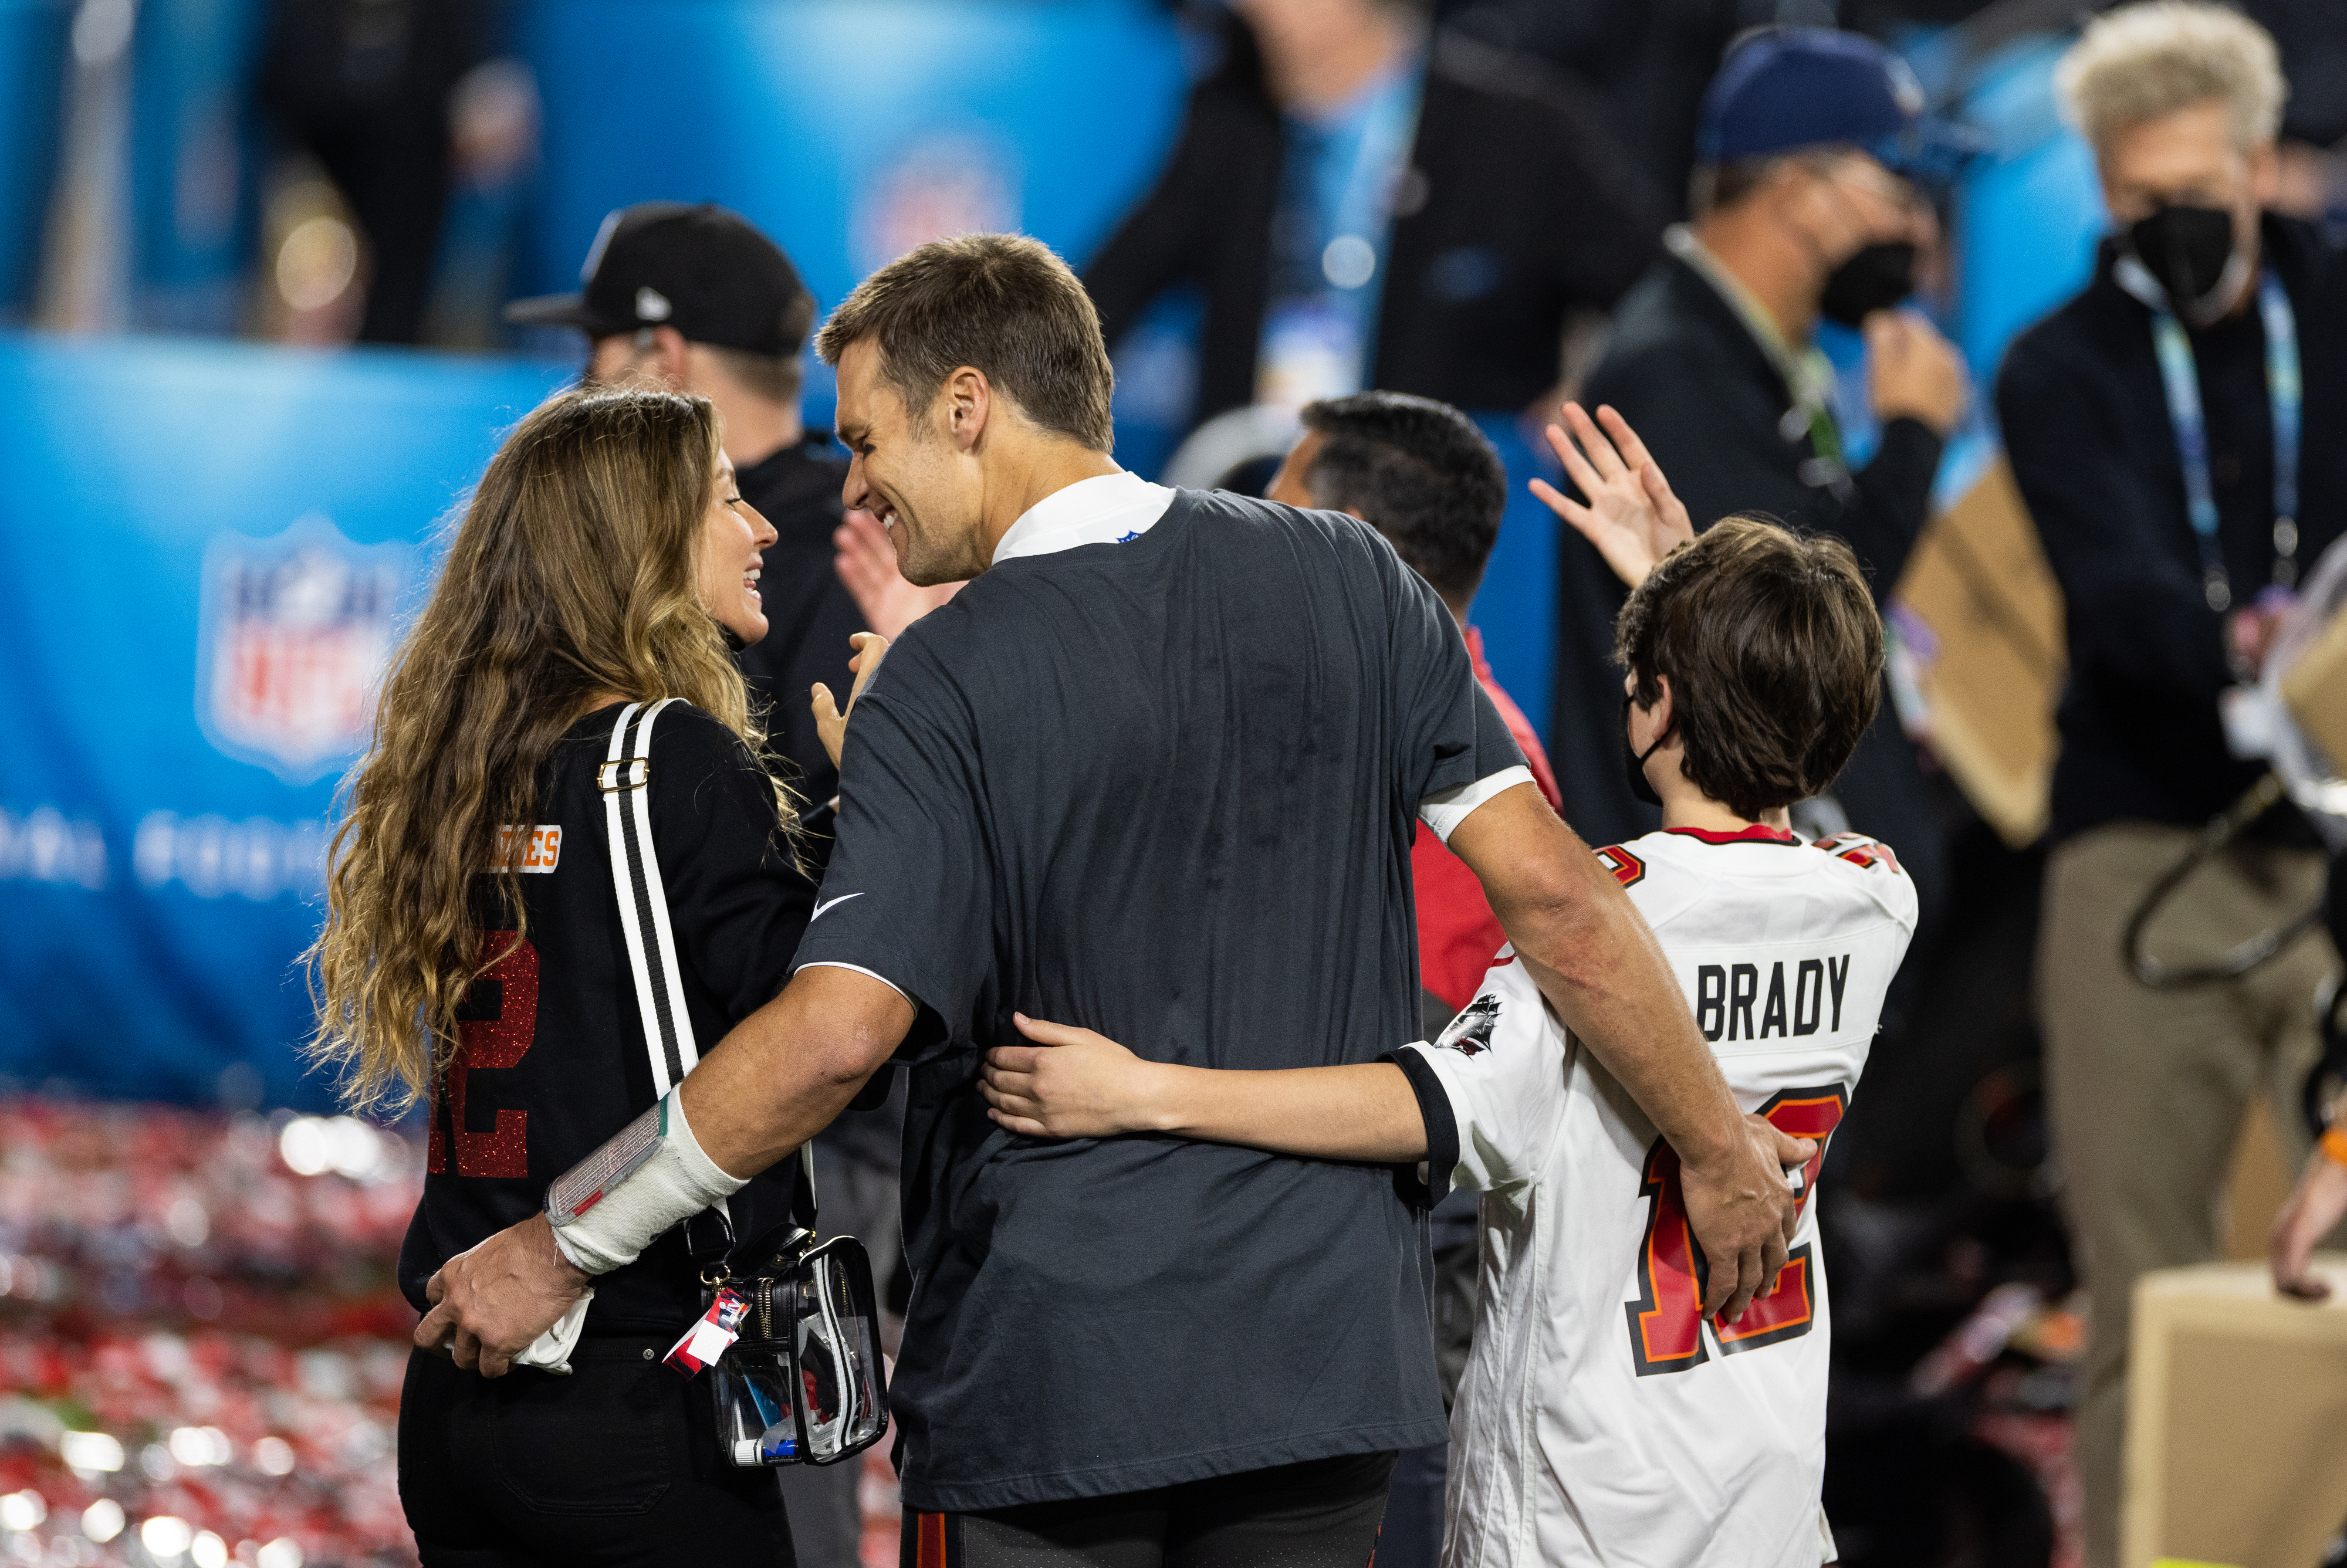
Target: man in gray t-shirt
x=1155, y=772
x=1166, y=783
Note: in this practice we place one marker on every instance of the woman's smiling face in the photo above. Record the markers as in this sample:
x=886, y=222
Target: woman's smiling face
x=733, y=538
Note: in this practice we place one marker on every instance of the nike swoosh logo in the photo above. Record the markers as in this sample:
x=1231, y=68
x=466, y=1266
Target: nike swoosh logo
x=831, y=904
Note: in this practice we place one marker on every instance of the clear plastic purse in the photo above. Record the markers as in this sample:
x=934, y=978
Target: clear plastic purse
x=805, y=1382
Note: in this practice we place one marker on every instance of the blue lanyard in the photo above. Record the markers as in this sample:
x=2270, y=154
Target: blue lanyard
x=2284, y=394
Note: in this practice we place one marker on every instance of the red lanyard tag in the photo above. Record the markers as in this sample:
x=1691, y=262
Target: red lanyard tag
x=709, y=1338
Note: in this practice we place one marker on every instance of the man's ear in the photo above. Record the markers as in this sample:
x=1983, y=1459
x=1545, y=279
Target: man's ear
x=964, y=403
x=670, y=359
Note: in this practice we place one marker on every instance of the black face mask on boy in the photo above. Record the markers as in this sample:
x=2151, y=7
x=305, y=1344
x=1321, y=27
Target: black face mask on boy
x=1634, y=765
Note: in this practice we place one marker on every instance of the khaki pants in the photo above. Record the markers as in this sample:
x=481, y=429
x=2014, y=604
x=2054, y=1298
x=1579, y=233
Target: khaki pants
x=2147, y=1089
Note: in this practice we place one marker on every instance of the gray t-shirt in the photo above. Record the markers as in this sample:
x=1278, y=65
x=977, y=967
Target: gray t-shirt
x=1164, y=789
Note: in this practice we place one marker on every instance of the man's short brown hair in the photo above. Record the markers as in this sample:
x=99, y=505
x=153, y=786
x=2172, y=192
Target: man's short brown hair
x=1001, y=304
x=1775, y=657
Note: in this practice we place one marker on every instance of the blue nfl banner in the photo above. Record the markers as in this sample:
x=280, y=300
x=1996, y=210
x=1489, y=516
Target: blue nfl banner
x=207, y=555
x=294, y=631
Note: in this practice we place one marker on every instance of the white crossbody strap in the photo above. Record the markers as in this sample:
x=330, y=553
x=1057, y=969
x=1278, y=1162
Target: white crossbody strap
x=625, y=779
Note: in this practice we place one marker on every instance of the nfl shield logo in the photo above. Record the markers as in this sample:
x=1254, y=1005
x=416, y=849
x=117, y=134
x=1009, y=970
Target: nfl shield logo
x=296, y=630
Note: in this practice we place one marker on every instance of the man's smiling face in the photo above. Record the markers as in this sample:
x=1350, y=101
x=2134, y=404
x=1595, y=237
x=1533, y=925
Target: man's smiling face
x=909, y=471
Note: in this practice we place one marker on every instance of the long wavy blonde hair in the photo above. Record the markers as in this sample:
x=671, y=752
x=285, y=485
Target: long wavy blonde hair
x=571, y=577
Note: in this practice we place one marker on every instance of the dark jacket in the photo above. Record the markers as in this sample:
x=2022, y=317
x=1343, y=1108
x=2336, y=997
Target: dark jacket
x=809, y=613
x=2086, y=425
x=1688, y=375
x=1517, y=209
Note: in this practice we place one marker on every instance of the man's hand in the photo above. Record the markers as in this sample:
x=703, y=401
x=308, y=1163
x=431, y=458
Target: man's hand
x=867, y=563
x=1913, y=373
x=2316, y=1205
x=1744, y=1213
x=2250, y=633
x=489, y=1304
x=830, y=722
x=1072, y=1083
x=1632, y=518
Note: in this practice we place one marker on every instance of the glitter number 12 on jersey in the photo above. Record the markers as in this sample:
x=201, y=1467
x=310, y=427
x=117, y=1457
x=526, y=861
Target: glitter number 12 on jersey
x=494, y=1030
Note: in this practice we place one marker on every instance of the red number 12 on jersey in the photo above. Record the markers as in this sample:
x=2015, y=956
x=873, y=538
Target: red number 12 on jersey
x=1666, y=1320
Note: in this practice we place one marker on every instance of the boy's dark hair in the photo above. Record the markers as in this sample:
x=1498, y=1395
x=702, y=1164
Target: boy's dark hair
x=1775, y=657
x=1420, y=473
x=1001, y=304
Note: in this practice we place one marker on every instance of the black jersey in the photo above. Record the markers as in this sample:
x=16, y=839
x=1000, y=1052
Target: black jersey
x=553, y=1061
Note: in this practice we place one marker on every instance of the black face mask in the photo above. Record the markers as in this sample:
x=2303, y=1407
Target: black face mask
x=1876, y=279
x=1634, y=765
x=2187, y=249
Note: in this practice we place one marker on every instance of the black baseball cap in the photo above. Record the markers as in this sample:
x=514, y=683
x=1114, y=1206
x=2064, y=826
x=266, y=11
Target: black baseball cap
x=699, y=269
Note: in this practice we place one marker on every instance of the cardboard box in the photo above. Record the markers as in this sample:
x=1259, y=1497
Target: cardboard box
x=1993, y=657
x=2237, y=1419
x=2316, y=692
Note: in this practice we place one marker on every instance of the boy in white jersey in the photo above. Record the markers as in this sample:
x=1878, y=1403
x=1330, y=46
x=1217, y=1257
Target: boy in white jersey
x=1601, y=1420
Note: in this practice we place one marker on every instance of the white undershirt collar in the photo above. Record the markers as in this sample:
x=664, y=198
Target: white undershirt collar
x=1105, y=509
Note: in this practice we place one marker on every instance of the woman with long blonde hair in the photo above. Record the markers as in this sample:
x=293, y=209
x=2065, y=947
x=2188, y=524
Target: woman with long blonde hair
x=476, y=956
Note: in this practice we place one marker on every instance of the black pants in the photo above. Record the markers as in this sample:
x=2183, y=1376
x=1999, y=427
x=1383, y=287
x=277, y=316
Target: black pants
x=1321, y=1514
x=616, y=1463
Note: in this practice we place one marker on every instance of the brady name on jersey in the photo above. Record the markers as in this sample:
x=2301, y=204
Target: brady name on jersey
x=1602, y=1419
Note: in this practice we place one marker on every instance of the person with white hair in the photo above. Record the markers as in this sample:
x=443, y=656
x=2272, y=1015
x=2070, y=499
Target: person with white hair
x=2173, y=431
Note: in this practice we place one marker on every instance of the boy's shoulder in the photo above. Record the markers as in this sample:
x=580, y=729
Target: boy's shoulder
x=1673, y=872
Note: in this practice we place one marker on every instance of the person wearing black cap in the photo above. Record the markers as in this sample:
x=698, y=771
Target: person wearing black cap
x=2173, y=428
x=695, y=299
x=1803, y=207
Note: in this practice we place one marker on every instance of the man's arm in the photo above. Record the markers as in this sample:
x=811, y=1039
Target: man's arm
x=778, y=1079
x=1075, y=1083
x=1599, y=965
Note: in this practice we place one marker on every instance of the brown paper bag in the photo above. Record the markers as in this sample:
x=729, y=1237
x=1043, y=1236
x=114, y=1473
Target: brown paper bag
x=1993, y=659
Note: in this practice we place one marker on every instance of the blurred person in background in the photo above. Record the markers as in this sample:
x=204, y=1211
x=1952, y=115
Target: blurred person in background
x=370, y=88
x=1420, y=474
x=1364, y=206
x=2174, y=429
x=605, y=559
x=694, y=299
x=1804, y=208
x=1647, y=64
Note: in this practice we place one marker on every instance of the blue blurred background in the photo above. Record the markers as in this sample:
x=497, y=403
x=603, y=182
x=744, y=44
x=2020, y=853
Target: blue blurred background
x=156, y=885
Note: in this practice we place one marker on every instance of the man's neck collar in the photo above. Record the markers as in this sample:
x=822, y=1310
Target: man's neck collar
x=1033, y=480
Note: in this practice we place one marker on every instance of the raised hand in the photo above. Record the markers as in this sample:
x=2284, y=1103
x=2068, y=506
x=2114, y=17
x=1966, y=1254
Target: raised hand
x=1913, y=371
x=830, y=720
x=866, y=564
x=1631, y=516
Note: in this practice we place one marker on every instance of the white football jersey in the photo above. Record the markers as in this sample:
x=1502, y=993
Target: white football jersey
x=1601, y=1419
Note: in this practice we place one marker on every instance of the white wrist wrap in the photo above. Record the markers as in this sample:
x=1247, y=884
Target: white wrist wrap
x=610, y=1205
